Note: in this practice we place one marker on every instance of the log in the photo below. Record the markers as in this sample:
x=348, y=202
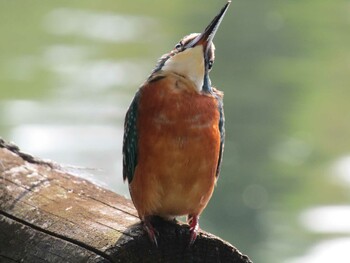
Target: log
x=50, y=215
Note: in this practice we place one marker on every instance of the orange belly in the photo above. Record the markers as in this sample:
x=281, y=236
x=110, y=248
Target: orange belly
x=178, y=149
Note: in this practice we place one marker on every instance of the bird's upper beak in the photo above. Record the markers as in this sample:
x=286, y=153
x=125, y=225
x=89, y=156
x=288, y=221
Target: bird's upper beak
x=205, y=39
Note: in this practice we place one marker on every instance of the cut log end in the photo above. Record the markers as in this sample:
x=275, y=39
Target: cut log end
x=49, y=215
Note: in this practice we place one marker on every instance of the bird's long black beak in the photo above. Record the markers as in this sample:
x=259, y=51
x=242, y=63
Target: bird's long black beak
x=207, y=36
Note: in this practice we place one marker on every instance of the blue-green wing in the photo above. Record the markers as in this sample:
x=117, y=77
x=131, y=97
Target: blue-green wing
x=130, y=140
x=221, y=129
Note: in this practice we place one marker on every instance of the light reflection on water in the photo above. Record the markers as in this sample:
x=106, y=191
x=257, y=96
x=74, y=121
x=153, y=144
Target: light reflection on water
x=78, y=143
x=98, y=75
x=327, y=219
x=334, y=250
x=76, y=99
x=76, y=72
x=81, y=119
x=341, y=169
x=98, y=26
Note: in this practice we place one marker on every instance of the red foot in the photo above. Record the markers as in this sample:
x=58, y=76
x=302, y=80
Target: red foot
x=150, y=230
x=194, y=226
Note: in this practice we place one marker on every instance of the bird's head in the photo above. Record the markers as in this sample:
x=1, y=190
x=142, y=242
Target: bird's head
x=193, y=56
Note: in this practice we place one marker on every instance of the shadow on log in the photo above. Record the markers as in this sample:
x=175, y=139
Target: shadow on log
x=49, y=215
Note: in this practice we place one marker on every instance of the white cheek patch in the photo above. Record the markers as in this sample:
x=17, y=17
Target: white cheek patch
x=190, y=64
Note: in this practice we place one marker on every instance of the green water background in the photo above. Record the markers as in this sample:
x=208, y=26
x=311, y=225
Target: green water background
x=69, y=69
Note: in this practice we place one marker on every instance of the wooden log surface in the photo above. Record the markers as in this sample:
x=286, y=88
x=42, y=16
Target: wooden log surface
x=49, y=215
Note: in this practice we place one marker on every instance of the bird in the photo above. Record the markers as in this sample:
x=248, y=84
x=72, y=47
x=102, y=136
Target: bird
x=174, y=134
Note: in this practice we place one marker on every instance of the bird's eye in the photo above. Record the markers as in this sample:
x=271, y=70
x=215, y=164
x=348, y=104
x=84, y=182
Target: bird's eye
x=210, y=64
x=178, y=45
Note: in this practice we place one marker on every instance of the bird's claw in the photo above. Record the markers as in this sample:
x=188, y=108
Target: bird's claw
x=194, y=226
x=151, y=231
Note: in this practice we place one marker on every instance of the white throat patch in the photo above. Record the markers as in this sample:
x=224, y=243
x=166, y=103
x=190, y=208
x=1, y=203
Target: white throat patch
x=188, y=63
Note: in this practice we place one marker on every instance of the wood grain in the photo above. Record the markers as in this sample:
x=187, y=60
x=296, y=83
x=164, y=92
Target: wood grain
x=50, y=215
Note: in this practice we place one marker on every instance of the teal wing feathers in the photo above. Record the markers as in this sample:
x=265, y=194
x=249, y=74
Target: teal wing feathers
x=221, y=129
x=130, y=140
x=222, y=134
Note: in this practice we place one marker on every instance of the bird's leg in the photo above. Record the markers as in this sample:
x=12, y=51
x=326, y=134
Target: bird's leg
x=151, y=231
x=194, y=226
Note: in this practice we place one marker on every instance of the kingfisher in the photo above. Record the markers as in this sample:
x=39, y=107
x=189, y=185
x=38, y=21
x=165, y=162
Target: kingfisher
x=174, y=134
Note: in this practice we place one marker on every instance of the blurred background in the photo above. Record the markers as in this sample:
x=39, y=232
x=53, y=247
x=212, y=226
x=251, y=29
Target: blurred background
x=69, y=69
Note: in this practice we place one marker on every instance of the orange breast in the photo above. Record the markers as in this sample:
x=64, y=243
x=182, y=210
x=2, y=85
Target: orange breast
x=178, y=149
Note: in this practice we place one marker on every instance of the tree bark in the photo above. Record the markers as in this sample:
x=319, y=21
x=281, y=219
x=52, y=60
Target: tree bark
x=50, y=215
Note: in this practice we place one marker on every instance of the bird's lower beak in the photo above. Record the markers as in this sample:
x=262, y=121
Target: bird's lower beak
x=207, y=36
